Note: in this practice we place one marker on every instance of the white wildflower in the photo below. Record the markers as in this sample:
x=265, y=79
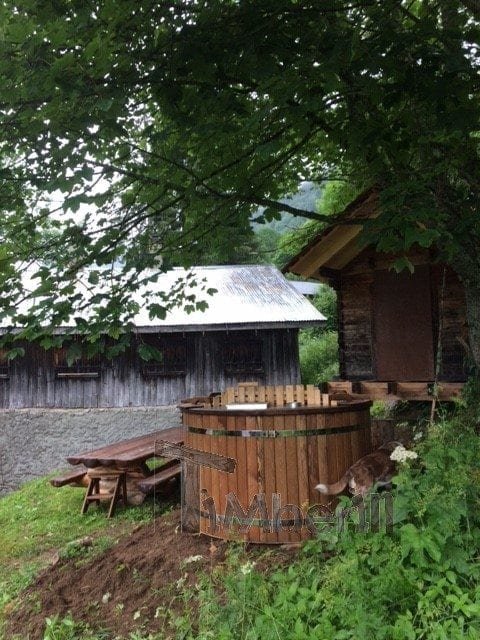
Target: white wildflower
x=247, y=567
x=181, y=581
x=191, y=559
x=106, y=597
x=137, y=615
x=400, y=454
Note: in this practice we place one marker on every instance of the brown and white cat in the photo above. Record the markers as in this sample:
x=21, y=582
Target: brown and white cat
x=375, y=468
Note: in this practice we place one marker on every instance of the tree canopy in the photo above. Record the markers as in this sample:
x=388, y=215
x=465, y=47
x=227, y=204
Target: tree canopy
x=160, y=127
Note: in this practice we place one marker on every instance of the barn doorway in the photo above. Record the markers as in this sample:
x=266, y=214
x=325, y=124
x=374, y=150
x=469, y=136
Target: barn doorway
x=403, y=325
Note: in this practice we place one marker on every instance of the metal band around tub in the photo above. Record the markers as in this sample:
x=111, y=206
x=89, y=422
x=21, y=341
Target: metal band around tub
x=276, y=433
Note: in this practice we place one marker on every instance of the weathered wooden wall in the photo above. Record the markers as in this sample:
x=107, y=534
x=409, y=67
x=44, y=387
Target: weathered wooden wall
x=356, y=298
x=355, y=334
x=454, y=327
x=32, y=380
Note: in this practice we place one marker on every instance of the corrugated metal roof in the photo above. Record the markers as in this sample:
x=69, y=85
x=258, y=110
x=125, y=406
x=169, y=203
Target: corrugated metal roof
x=249, y=296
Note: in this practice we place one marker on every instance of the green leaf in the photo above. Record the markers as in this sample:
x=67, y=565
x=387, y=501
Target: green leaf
x=94, y=277
x=74, y=353
x=403, y=263
x=15, y=352
x=148, y=352
x=156, y=310
x=201, y=305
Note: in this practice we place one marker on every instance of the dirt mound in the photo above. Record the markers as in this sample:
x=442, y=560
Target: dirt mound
x=131, y=585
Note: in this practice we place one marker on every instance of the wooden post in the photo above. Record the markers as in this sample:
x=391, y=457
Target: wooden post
x=191, y=460
x=190, y=497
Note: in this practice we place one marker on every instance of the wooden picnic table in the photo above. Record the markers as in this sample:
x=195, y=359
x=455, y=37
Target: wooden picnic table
x=125, y=459
x=127, y=454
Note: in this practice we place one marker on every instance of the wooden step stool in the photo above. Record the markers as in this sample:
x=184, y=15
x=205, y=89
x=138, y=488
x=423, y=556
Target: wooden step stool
x=93, y=493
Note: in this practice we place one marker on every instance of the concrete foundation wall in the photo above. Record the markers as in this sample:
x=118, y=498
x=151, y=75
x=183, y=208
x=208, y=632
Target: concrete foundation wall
x=34, y=442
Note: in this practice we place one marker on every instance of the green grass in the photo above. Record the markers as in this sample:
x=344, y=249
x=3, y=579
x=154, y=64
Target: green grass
x=39, y=520
x=420, y=580
x=154, y=463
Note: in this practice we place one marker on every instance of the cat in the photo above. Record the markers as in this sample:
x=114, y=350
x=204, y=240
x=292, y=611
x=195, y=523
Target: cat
x=375, y=468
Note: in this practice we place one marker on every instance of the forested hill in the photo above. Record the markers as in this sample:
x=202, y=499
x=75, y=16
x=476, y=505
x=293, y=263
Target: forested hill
x=261, y=243
x=306, y=198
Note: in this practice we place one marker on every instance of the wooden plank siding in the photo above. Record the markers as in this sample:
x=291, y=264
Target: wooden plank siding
x=403, y=325
x=389, y=328
x=454, y=329
x=356, y=313
x=32, y=380
x=306, y=445
x=356, y=327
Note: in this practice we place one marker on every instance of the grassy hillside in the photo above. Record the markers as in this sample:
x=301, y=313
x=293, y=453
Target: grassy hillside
x=418, y=581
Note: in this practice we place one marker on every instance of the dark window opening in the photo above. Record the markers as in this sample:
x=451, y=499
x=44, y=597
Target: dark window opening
x=243, y=355
x=168, y=357
x=72, y=361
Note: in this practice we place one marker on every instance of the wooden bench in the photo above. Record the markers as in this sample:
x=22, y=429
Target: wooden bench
x=75, y=478
x=160, y=476
x=113, y=470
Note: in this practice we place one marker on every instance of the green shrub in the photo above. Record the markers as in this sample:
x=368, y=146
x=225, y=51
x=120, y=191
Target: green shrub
x=326, y=302
x=318, y=356
x=319, y=345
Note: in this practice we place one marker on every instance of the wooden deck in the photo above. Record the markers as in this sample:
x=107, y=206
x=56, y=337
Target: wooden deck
x=394, y=391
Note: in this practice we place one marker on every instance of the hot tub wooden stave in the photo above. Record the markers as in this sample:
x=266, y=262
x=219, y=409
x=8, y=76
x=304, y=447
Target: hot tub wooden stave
x=281, y=450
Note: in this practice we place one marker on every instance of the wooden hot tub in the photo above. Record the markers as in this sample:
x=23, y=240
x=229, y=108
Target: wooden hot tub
x=281, y=454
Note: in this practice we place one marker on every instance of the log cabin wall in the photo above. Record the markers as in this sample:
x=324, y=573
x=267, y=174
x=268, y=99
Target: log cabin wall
x=355, y=334
x=454, y=363
x=33, y=381
x=357, y=304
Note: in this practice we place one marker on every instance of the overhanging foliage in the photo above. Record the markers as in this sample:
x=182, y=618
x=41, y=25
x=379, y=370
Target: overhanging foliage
x=160, y=126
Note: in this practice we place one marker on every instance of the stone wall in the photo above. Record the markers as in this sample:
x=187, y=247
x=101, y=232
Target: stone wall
x=34, y=442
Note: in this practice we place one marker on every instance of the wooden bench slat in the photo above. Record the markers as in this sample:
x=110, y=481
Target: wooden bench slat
x=159, y=477
x=68, y=478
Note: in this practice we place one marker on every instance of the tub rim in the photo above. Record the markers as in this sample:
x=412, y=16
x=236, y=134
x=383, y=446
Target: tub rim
x=356, y=405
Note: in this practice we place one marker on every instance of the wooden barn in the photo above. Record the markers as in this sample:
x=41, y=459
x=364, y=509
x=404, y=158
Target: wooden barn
x=392, y=325
x=248, y=332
